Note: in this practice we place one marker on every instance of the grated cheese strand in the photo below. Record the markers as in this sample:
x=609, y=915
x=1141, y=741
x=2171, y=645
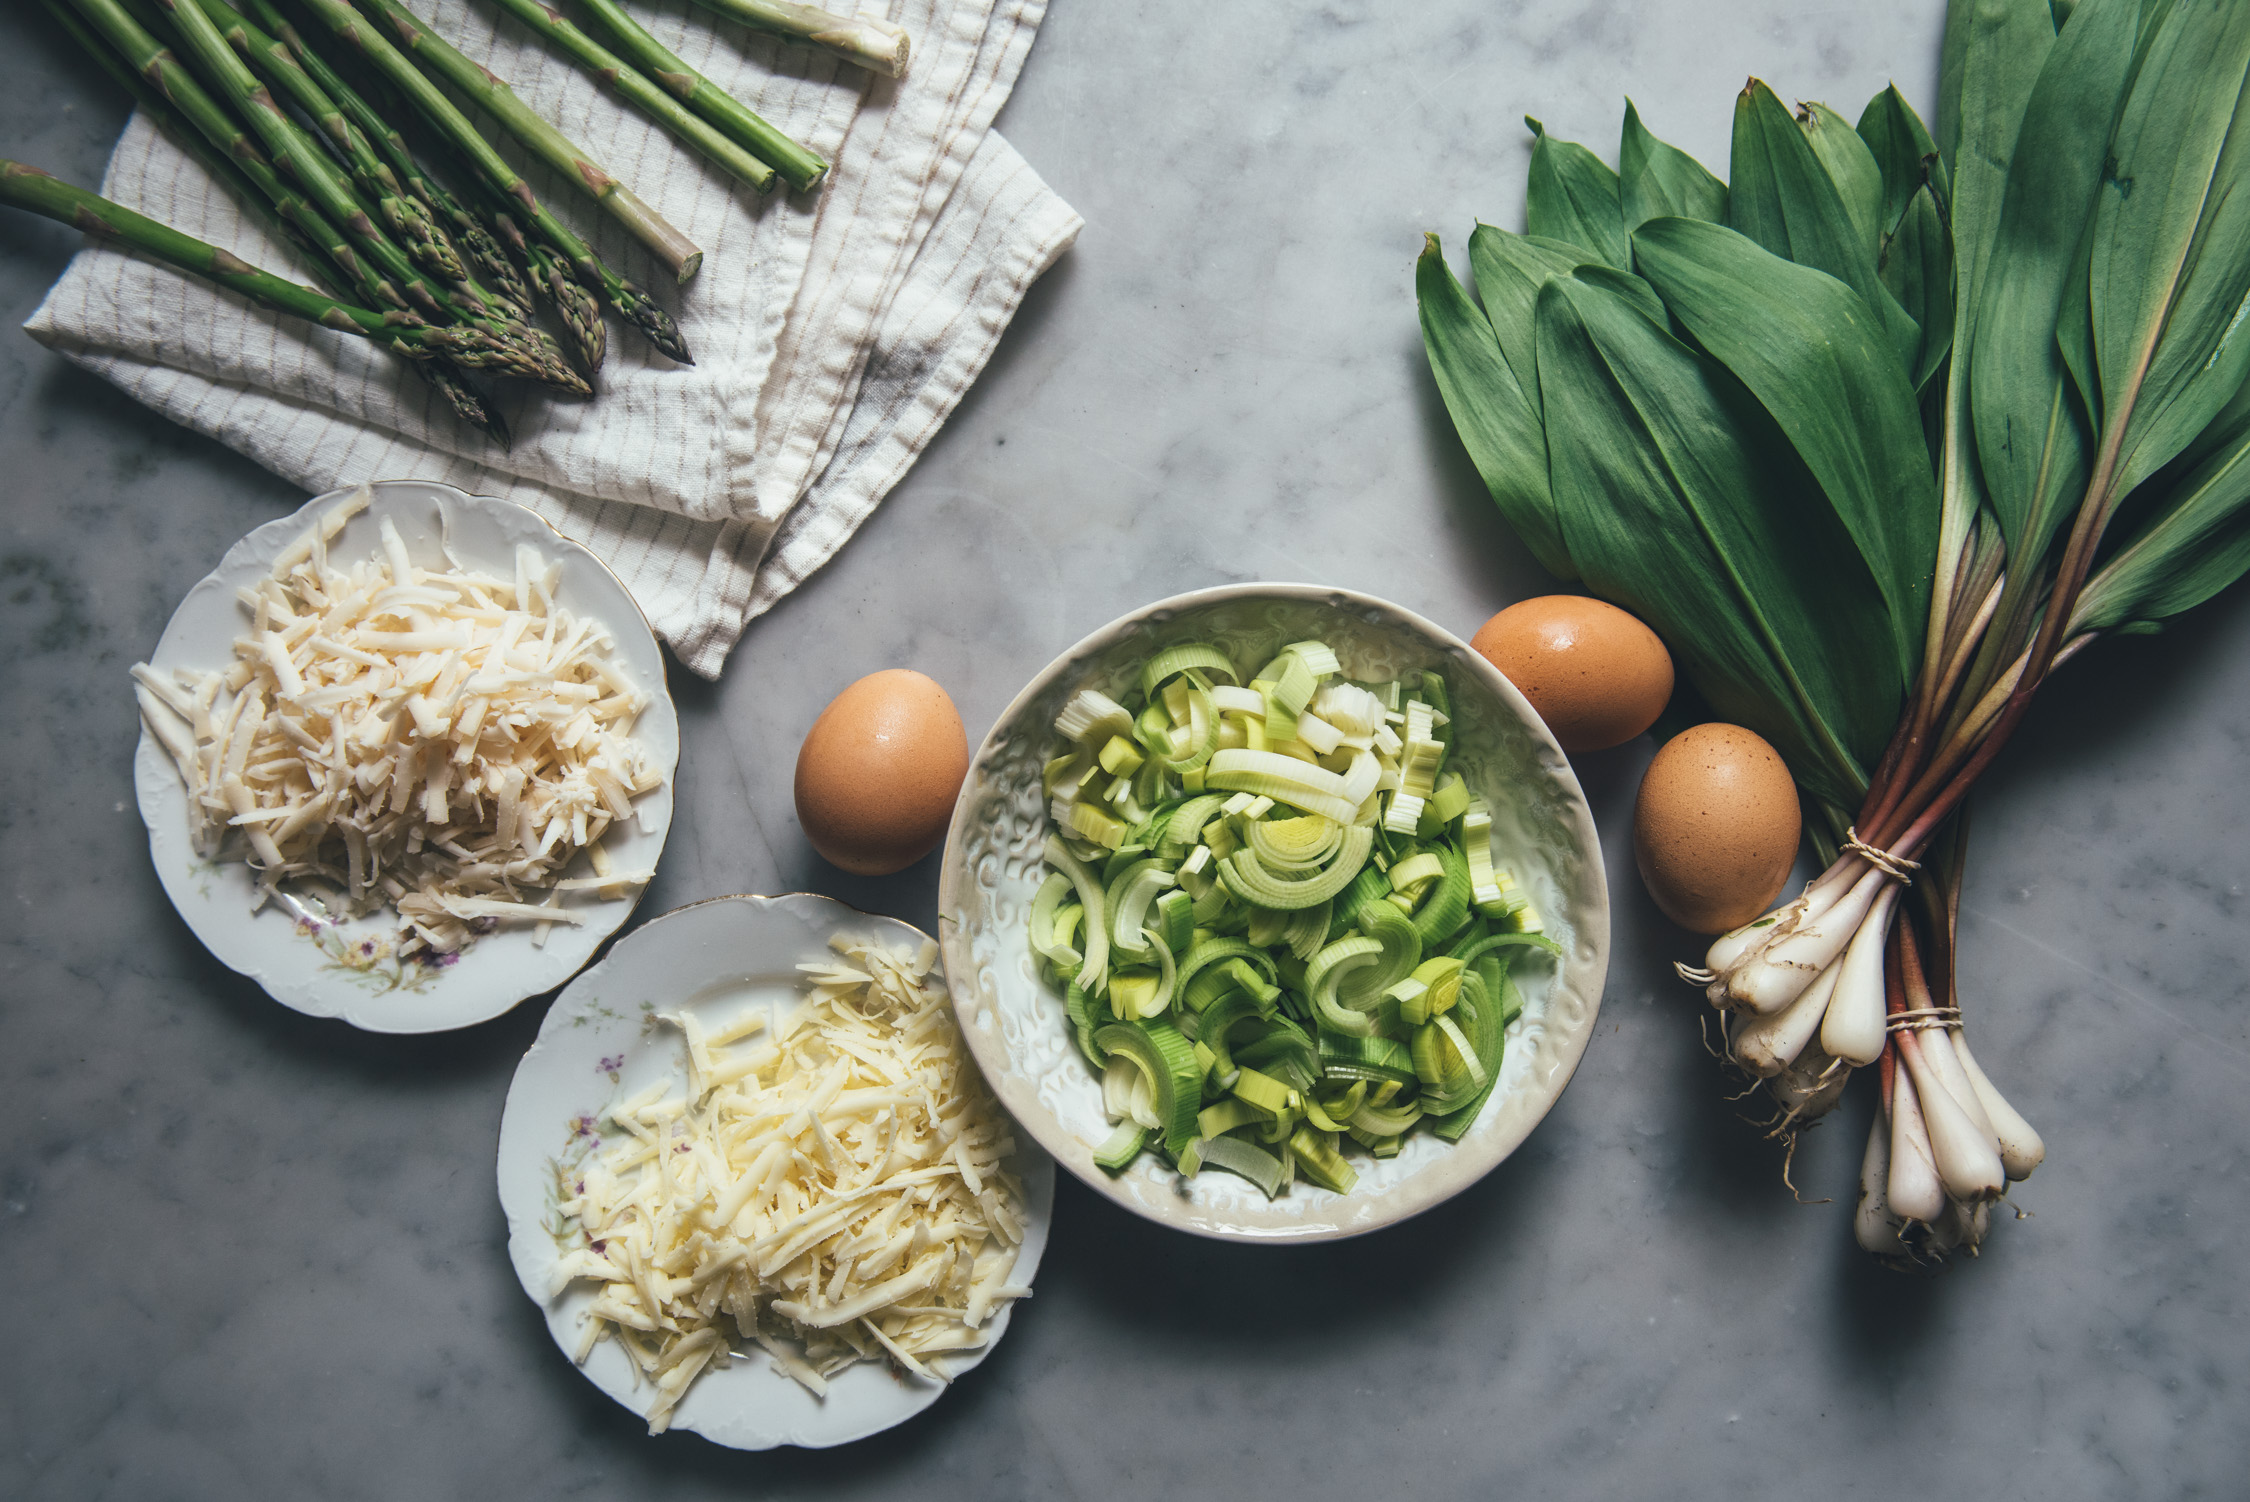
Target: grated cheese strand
x=836, y=1192
x=436, y=741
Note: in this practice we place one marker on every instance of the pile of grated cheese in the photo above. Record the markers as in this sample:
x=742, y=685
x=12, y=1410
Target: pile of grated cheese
x=441, y=741
x=835, y=1194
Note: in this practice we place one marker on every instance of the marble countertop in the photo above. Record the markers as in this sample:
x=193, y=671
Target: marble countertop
x=256, y=1255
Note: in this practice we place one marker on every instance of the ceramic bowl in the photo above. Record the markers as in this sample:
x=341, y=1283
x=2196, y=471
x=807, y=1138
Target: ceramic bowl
x=1014, y=1022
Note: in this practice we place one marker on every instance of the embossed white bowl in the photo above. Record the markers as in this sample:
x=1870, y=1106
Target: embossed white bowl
x=1542, y=832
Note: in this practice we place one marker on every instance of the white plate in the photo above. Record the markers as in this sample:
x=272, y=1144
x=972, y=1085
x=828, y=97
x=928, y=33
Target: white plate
x=1542, y=833
x=599, y=1044
x=306, y=966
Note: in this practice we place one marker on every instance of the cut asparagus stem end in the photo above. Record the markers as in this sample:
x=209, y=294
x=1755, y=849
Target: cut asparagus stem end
x=868, y=43
x=674, y=249
x=733, y=119
x=620, y=77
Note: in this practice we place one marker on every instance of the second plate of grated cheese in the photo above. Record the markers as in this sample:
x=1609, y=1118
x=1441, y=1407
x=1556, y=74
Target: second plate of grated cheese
x=754, y=1179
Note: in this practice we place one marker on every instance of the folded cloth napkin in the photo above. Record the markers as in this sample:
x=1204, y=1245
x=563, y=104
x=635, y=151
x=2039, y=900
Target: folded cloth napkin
x=833, y=333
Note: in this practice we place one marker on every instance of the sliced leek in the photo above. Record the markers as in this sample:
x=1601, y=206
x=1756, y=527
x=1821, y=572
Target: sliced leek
x=1128, y=900
x=1214, y=1024
x=1247, y=877
x=1444, y=905
x=1252, y=1162
x=1173, y=661
x=1167, y=1060
x=1044, y=907
x=1327, y=972
x=1092, y=718
x=1286, y=1052
x=1375, y=1060
x=1402, y=951
x=1274, y=917
x=1092, y=972
x=1124, y=1145
x=1318, y=1160
x=1283, y=779
x=1304, y=843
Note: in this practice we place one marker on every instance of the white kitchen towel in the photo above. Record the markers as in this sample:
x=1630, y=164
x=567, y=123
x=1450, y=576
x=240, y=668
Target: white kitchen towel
x=833, y=334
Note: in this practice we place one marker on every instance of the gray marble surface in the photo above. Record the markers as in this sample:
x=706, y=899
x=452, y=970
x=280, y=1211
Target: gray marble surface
x=255, y=1255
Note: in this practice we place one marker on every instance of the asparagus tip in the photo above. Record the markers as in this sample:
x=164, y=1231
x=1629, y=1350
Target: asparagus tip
x=655, y=324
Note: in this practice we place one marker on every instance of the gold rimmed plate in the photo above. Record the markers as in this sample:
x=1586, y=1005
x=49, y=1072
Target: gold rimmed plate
x=599, y=1045
x=348, y=969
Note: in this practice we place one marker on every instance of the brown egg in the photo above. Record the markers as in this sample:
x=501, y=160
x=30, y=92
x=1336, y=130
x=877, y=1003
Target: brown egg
x=879, y=770
x=1715, y=830
x=1597, y=676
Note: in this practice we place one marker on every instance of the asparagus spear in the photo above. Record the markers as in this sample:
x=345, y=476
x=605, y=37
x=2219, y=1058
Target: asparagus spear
x=580, y=314
x=625, y=81
x=493, y=171
x=302, y=157
x=494, y=218
x=466, y=401
x=152, y=60
x=293, y=151
x=277, y=61
x=476, y=243
x=402, y=214
x=167, y=118
x=472, y=241
x=798, y=166
x=869, y=43
x=577, y=309
x=29, y=188
x=482, y=86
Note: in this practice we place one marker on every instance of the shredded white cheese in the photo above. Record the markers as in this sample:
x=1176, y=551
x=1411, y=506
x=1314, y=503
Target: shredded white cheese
x=439, y=741
x=835, y=1193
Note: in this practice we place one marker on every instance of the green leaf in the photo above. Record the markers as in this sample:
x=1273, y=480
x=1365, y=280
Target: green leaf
x=1660, y=180
x=1681, y=502
x=1992, y=52
x=1851, y=167
x=2195, y=542
x=1783, y=198
x=1812, y=353
x=2232, y=423
x=1499, y=426
x=1918, y=269
x=1903, y=152
x=2074, y=338
x=2152, y=14
x=2033, y=439
x=1627, y=286
x=2169, y=268
x=1573, y=196
x=1510, y=269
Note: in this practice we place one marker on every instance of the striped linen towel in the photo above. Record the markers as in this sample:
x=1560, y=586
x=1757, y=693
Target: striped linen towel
x=833, y=333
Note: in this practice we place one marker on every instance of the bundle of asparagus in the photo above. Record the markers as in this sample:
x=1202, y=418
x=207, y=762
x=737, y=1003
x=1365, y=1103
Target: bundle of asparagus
x=305, y=128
